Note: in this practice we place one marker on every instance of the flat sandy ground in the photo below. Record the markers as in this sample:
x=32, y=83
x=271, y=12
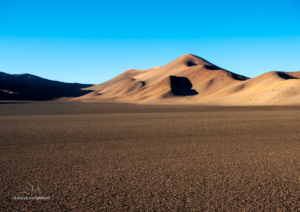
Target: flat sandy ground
x=121, y=157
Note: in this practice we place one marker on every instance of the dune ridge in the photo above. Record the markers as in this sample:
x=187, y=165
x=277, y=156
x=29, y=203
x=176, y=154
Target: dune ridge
x=193, y=80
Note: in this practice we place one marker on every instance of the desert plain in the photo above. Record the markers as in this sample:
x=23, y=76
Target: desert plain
x=134, y=157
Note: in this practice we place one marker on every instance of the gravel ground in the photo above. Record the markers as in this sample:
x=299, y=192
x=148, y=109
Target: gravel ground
x=120, y=157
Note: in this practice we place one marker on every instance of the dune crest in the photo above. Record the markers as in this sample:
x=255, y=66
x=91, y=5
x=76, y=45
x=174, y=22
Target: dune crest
x=190, y=79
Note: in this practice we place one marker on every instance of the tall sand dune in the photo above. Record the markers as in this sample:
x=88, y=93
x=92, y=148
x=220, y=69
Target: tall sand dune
x=192, y=80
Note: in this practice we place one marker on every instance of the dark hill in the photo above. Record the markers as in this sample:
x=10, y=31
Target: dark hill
x=30, y=87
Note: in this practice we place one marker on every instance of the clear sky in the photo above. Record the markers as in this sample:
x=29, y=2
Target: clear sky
x=93, y=41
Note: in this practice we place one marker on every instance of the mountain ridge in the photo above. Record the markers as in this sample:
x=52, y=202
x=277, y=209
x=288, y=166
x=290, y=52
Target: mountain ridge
x=31, y=87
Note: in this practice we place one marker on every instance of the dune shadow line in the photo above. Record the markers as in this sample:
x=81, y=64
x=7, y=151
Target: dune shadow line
x=285, y=76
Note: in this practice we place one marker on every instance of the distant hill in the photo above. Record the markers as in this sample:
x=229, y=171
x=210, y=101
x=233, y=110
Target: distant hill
x=30, y=87
x=192, y=80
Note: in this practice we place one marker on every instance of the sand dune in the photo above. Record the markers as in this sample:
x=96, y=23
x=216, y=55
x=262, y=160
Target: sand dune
x=270, y=88
x=192, y=80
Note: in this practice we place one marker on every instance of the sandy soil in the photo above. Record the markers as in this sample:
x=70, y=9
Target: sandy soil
x=114, y=157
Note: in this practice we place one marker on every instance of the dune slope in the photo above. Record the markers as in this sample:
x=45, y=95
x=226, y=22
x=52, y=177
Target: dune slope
x=185, y=79
x=192, y=80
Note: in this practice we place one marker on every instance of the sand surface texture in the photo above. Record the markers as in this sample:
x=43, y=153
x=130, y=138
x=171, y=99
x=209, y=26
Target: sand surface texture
x=120, y=157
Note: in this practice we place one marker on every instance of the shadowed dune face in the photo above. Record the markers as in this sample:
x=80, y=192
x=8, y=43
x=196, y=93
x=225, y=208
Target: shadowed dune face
x=181, y=86
x=295, y=74
x=285, y=76
x=189, y=63
x=212, y=67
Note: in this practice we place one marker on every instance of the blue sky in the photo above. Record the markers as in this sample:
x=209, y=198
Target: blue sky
x=93, y=41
